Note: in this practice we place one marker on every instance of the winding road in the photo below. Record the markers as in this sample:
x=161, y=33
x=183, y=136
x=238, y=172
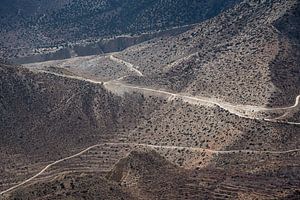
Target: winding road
x=145, y=145
x=238, y=110
x=244, y=111
x=249, y=108
x=127, y=64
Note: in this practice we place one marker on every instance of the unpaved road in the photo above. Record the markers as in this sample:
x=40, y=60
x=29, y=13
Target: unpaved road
x=239, y=110
x=127, y=64
x=244, y=111
x=145, y=145
x=223, y=104
x=229, y=107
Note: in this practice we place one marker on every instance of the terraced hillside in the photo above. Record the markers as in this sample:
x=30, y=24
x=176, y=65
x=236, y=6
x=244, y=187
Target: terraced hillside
x=176, y=130
x=147, y=175
x=212, y=113
x=45, y=116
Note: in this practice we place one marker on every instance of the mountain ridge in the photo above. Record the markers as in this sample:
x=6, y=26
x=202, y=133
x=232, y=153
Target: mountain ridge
x=75, y=21
x=208, y=112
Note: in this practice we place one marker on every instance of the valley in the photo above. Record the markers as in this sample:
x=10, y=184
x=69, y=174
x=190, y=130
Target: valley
x=171, y=108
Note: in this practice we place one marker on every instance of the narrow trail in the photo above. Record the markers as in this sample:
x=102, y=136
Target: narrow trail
x=127, y=64
x=283, y=122
x=145, y=145
x=284, y=108
x=248, y=107
x=218, y=151
x=47, y=167
x=180, y=60
x=238, y=110
x=243, y=111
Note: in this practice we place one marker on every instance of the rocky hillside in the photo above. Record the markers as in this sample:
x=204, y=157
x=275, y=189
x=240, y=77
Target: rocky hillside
x=247, y=55
x=146, y=175
x=36, y=25
x=44, y=116
x=75, y=186
x=24, y=8
x=208, y=113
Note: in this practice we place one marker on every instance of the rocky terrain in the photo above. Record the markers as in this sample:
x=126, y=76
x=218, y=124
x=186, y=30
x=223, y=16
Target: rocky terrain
x=254, y=45
x=223, y=56
x=147, y=175
x=63, y=114
x=211, y=112
x=102, y=68
x=28, y=28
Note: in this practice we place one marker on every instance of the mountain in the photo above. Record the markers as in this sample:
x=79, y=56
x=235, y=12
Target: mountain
x=25, y=8
x=147, y=175
x=75, y=186
x=248, y=55
x=208, y=112
x=27, y=26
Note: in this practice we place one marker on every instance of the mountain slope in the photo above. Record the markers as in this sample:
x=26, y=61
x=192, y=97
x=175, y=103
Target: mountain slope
x=74, y=186
x=45, y=117
x=71, y=21
x=33, y=7
x=246, y=55
x=149, y=176
x=170, y=118
x=83, y=114
x=146, y=175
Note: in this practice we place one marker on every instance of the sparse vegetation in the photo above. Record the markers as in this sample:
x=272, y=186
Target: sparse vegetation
x=139, y=125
